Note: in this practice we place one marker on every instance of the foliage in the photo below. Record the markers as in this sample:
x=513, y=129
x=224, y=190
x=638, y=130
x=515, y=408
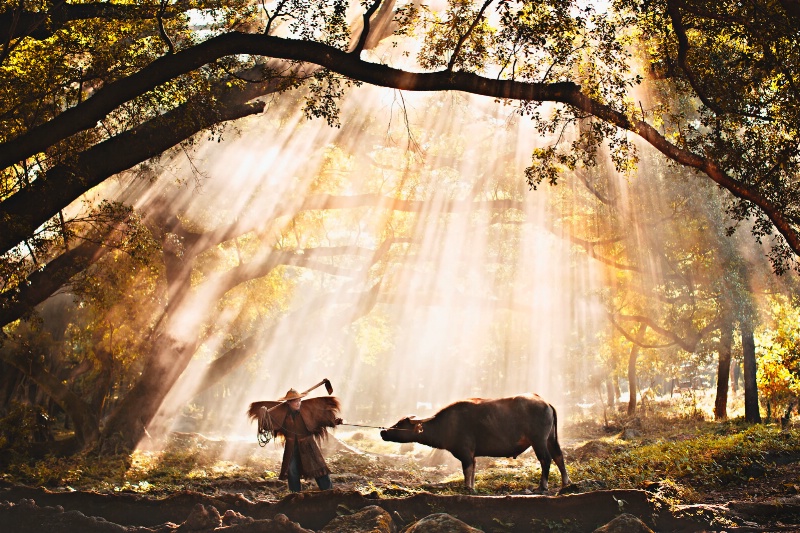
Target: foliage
x=740, y=72
x=17, y=429
x=459, y=22
x=778, y=349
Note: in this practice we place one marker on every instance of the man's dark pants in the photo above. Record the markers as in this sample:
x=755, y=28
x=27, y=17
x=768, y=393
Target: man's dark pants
x=323, y=482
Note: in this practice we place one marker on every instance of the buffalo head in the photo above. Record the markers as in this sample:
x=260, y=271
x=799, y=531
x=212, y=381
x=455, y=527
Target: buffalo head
x=406, y=430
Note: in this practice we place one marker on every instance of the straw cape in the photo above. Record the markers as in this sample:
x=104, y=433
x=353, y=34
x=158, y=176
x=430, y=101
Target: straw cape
x=301, y=433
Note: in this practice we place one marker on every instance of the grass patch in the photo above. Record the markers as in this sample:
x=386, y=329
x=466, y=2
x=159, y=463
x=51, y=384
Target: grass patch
x=711, y=457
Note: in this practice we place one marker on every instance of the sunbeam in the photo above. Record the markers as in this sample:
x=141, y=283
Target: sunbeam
x=403, y=258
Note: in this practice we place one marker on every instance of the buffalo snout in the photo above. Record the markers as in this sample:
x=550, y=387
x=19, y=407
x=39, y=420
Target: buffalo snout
x=394, y=434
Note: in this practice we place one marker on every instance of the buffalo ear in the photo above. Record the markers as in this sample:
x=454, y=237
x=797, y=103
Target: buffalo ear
x=418, y=428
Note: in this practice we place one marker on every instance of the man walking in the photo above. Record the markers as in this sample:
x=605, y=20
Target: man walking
x=302, y=424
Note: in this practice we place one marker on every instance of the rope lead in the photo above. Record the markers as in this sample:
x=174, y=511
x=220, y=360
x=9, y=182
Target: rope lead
x=265, y=427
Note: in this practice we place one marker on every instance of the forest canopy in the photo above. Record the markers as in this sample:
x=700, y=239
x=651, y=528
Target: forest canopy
x=698, y=99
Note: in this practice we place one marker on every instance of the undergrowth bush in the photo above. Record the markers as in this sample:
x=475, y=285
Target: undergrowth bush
x=18, y=429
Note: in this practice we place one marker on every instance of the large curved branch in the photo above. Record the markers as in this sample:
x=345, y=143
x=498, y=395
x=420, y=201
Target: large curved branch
x=42, y=283
x=25, y=211
x=86, y=114
x=686, y=344
x=353, y=67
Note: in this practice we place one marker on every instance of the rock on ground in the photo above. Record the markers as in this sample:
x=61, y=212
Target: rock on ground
x=624, y=523
x=441, y=523
x=203, y=517
x=371, y=519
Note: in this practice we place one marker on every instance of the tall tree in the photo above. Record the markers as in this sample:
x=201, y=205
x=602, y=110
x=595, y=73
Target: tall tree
x=752, y=413
x=633, y=387
x=723, y=368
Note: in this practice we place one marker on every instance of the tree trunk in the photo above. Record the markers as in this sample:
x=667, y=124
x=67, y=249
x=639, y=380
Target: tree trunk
x=166, y=361
x=751, y=410
x=128, y=424
x=632, y=387
x=104, y=381
x=723, y=369
x=611, y=393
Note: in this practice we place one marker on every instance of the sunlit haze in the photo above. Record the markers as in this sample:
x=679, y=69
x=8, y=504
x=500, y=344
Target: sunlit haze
x=402, y=255
x=476, y=292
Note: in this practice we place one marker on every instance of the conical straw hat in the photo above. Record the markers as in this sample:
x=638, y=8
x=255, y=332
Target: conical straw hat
x=292, y=394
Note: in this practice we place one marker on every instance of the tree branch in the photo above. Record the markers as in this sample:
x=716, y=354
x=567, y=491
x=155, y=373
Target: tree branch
x=161, y=30
x=466, y=35
x=42, y=283
x=636, y=341
x=588, y=247
x=683, y=49
x=362, y=39
x=583, y=176
x=273, y=17
x=688, y=345
x=63, y=183
x=347, y=65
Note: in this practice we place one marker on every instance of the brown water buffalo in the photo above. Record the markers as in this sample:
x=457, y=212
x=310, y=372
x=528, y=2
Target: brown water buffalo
x=504, y=427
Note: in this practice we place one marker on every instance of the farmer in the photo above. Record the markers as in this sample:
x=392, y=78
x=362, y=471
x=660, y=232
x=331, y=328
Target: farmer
x=302, y=424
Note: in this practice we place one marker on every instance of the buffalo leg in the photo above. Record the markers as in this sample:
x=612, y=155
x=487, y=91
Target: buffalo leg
x=468, y=465
x=540, y=449
x=558, y=457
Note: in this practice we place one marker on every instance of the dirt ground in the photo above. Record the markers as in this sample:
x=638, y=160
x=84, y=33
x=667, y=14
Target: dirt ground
x=769, y=501
x=164, y=484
